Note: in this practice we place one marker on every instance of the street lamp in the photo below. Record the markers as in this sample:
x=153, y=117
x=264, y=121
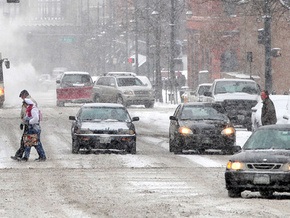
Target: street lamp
x=158, y=80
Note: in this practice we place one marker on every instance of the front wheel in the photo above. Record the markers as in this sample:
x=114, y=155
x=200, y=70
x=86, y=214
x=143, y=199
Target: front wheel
x=97, y=99
x=132, y=149
x=149, y=105
x=234, y=193
x=120, y=100
x=60, y=103
x=75, y=146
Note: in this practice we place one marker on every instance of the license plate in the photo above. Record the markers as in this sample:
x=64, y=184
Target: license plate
x=105, y=139
x=262, y=179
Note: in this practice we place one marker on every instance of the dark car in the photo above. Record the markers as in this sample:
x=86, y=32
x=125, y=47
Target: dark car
x=103, y=126
x=263, y=164
x=200, y=126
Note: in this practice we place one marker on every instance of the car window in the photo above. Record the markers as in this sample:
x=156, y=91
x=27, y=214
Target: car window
x=268, y=139
x=201, y=113
x=203, y=89
x=130, y=81
x=104, y=113
x=235, y=86
x=76, y=78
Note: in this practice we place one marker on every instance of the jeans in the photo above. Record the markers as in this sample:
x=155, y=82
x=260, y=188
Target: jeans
x=35, y=129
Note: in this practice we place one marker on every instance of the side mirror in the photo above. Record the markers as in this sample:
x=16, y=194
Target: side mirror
x=57, y=81
x=237, y=149
x=135, y=118
x=286, y=117
x=72, y=118
x=172, y=118
x=7, y=64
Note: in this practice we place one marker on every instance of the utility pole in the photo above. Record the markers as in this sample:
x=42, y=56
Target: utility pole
x=172, y=52
x=136, y=39
x=268, y=63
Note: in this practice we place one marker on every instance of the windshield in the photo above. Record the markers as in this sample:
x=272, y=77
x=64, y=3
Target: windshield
x=268, y=139
x=236, y=86
x=76, y=78
x=201, y=113
x=130, y=81
x=104, y=113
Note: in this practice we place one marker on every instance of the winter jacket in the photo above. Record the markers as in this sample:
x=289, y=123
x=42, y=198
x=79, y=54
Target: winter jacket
x=268, y=115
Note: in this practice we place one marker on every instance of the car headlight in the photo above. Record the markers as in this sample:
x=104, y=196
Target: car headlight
x=185, y=130
x=128, y=92
x=1, y=91
x=286, y=167
x=126, y=131
x=236, y=165
x=228, y=131
x=84, y=131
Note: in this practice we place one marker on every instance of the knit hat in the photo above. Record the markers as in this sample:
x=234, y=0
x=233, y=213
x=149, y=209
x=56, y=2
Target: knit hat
x=23, y=92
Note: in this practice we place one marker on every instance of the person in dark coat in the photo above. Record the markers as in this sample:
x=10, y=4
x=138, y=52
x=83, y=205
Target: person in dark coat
x=268, y=115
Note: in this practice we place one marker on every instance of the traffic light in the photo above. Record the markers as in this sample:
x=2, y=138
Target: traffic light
x=131, y=60
x=13, y=1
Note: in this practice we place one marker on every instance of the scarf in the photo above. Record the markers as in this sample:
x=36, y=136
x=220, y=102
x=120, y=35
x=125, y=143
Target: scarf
x=28, y=110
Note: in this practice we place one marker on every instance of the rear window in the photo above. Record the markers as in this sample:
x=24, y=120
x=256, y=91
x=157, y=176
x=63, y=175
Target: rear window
x=77, y=79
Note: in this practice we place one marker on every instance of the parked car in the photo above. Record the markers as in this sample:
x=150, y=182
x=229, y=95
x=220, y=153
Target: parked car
x=281, y=105
x=263, y=164
x=237, y=96
x=123, y=89
x=196, y=95
x=75, y=87
x=199, y=126
x=103, y=126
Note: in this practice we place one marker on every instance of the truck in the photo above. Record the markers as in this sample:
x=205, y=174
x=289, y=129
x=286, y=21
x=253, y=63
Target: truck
x=2, y=90
x=237, y=96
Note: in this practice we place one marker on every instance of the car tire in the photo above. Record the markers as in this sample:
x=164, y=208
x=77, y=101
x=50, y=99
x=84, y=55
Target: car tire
x=120, y=100
x=132, y=149
x=97, y=99
x=171, y=145
x=266, y=193
x=75, y=147
x=234, y=193
x=60, y=104
x=149, y=105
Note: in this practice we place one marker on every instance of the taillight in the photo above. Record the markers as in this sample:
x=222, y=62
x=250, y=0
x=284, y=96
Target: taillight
x=1, y=91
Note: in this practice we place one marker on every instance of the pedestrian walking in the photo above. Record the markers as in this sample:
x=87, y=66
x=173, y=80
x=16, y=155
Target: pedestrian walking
x=19, y=153
x=32, y=120
x=268, y=115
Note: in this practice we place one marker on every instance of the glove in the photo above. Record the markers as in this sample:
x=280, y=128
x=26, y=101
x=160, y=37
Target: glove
x=21, y=126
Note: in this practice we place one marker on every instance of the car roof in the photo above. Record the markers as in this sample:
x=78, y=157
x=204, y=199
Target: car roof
x=205, y=84
x=275, y=126
x=120, y=74
x=103, y=105
x=228, y=79
x=76, y=72
x=199, y=104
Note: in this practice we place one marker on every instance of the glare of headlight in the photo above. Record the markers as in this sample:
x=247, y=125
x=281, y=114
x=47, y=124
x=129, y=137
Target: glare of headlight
x=185, y=130
x=128, y=92
x=234, y=165
x=228, y=131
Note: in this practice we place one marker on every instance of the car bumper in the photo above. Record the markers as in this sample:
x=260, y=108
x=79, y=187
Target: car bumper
x=206, y=142
x=135, y=100
x=102, y=141
x=253, y=181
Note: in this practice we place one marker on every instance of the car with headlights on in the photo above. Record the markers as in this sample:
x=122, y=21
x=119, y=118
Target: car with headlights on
x=263, y=164
x=200, y=126
x=103, y=126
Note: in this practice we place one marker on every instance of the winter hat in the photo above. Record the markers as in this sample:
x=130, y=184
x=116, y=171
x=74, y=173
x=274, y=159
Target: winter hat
x=28, y=101
x=23, y=92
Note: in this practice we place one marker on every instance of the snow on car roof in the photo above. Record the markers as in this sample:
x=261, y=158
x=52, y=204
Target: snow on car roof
x=76, y=72
x=102, y=105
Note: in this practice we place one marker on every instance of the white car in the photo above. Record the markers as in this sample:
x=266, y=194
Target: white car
x=281, y=106
x=198, y=94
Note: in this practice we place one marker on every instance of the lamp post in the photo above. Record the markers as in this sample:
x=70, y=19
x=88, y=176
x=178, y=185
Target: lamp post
x=172, y=51
x=136, y=39
x=267, y=43
x=158, y=80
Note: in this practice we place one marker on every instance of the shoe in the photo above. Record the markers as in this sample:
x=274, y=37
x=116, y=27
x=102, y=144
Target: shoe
x=24, y=159
x=40, y=159
x=14, y=157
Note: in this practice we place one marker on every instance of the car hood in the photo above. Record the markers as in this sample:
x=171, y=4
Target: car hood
x=105, y=125
x=200, y=124
x=265, y=156
x=135, y=88
x=236, y=96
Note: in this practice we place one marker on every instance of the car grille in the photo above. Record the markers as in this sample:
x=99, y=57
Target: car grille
x=238, y=105
x=141, y=93
x=105, y=132
x=264, y=166
x=209, y=131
